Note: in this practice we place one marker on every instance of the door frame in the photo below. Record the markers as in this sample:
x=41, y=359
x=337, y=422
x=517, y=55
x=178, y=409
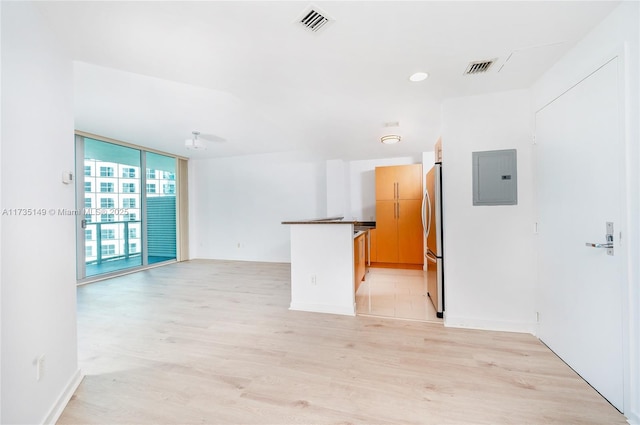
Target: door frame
x=80, y=234
x=629, y=179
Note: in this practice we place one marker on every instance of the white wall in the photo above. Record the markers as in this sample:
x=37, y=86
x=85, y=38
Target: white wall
x=428, y=160
x=243, y=200
x=617, y=34
x=38, y=252
x=488, y=250
x=0, y=220
x=337, y=188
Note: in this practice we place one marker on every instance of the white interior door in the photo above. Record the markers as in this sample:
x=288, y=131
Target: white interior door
x=579, y=188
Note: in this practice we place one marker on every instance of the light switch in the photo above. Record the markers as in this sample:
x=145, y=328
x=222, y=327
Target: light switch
x=67, y=177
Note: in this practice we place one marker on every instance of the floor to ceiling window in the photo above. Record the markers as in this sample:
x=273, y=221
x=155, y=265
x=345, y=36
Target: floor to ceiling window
x=161, y=207
x=126, y=199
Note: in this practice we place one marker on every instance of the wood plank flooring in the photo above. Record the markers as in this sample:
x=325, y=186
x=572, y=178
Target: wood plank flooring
x=213, y=342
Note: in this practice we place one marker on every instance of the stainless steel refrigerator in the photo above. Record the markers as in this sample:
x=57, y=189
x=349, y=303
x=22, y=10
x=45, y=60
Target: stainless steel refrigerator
x=432, y=226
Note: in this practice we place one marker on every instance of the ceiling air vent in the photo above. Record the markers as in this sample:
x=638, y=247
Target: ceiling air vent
x=313, y=19
x=479, y=67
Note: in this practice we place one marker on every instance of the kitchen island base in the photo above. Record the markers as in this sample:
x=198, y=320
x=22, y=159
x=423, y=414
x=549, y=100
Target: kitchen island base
x=322, y=269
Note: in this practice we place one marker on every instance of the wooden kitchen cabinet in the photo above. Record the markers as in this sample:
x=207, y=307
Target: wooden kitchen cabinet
x=359, y=260
x=385, y=183
x=373, y=245
x=438, y=150
x=386, y=232
x=399, y=182
x=399, y=219
x=410, y=240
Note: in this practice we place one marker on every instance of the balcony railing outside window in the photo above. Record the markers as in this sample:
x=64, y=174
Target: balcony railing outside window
x=119, y=234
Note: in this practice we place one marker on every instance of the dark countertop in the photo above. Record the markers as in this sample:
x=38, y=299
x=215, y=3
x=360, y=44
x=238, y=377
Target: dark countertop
x=357, y=224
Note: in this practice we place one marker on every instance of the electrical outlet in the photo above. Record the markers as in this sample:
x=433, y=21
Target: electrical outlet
x=238, y=244
x=313, y=280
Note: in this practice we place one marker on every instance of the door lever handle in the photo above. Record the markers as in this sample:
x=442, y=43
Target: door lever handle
x=599, y=245
x=608, y=236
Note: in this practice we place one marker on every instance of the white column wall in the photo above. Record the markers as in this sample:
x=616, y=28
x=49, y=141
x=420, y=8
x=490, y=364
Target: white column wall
x=488, y=250
x=0, y=220
x=38, y=252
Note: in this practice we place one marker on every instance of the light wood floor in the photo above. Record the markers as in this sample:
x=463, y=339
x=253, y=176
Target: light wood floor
x=213, y=342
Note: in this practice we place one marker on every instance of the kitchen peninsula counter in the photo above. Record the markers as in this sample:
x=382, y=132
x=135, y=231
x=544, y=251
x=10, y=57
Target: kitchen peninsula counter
x=357, y=225
x=322, y=264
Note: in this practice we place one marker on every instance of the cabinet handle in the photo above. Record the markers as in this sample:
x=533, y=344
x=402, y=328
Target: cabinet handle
x=398, y=209
x=398, y=191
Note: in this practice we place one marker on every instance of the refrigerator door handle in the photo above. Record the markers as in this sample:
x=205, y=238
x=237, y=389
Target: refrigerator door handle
x=431, y=257
x=437, y=200
x=426, y=200
x=424, y=204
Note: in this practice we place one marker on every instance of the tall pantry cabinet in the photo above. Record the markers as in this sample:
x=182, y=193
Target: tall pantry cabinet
x=398, y=214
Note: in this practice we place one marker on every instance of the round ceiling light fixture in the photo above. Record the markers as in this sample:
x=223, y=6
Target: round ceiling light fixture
x=418, y=76
x=391, y=133
x=390, y=139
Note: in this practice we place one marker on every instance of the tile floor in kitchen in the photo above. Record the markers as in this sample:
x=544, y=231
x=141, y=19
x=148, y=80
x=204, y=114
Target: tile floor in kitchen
x=397, y=293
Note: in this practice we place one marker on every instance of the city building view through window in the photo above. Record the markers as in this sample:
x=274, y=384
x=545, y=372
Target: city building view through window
x=129, y=201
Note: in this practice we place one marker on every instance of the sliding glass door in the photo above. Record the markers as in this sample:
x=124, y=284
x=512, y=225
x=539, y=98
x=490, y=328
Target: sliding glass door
x=126, y=201
x=161, y=207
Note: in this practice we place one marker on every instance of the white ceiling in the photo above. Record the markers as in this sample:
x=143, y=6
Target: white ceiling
x=251, y=80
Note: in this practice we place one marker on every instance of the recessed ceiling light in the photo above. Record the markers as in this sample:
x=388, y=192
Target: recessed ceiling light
x=418, y=76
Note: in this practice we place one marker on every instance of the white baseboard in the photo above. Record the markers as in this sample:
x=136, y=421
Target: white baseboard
x=65, y=396
x=321, y=308
x=489, y=325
